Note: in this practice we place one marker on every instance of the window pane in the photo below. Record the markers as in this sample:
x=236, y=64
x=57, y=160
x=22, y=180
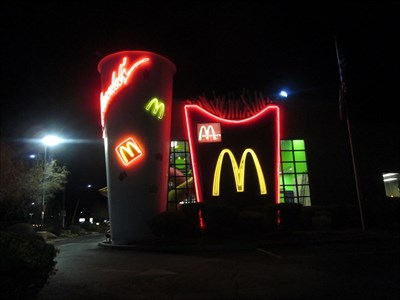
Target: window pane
x=300, y=155
x=288, y=179
x=301, y=167
x=287, y=156
x=304, y=190
x=180, y=146
x=286, y=145
x=302, y=178
x=298, y=144
x=180, y=159
x=306, y=201
x=287, y=168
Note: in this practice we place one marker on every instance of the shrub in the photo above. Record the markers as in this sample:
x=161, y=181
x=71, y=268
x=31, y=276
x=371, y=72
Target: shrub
x=306, y=217
x=270, y=213
x=89, y=227
x=192, y=213
x=289, y=216
x=220, y=219
x=22, y=229
x=170, y=224
x=251, y=222
x=322, y=222
x=75, y=229
x=27, y=262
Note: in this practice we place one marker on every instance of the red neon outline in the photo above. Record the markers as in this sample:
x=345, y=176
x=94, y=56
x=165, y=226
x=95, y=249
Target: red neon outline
x=192, y=149
x=140, y=151
x=117, y=82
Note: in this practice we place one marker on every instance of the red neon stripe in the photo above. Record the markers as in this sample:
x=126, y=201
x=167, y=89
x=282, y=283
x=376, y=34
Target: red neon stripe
x=117, y=81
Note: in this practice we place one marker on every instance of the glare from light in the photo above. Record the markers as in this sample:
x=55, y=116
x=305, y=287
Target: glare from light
x=52, y=140
x=390, y=174
x=390, y=179
x=283, y=94
x=32, y=156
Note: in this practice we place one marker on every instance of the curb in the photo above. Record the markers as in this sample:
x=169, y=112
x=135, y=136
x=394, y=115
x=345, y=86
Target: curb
x=243, y=245
x=182, y=247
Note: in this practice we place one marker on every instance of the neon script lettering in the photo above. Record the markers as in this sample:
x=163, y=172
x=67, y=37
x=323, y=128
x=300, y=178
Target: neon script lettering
x=156, y=108
x=128, y=151
x=238, y=171
x=118, y=80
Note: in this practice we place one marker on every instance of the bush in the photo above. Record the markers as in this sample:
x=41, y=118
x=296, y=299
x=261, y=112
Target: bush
x=170, y=224
x=192, y=212
x=289, y=216
x=220, y=219
x=322, y=222
x=270, y=212
x=383, y=213
x=27, y=262
x=251, y=222
x=76, y=229
x=22, y=229
x=306, y=217
x=89, y=227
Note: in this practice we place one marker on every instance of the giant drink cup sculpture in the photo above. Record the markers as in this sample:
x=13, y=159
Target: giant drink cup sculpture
x=136, y=102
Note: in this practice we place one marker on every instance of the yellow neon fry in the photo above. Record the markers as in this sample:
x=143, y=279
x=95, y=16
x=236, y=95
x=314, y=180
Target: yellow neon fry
x=158, y=107
x=238, y=172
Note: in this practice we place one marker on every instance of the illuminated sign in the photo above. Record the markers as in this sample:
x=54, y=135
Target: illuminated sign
x=156, y=108
x=209, y=132
x=128, y=151
x=260, y=133
x=118, y=80
x=238, y=171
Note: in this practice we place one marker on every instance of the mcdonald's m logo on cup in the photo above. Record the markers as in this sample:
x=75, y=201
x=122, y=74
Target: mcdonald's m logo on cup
x=128, y=151
x=238, y=171
x=156, y=108
x=209, y=132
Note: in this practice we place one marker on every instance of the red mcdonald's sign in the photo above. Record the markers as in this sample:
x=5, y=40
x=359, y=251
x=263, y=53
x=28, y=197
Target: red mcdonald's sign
x=255, y=137
x=209, y=132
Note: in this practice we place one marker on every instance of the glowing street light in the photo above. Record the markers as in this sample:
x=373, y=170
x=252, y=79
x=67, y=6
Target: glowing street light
x=49, y=140
x=283, y=94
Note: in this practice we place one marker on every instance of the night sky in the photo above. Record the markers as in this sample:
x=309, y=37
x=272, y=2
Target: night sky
x=50, y=52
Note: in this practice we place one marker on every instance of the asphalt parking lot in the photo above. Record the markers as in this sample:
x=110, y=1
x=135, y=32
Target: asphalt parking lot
x=347, y=269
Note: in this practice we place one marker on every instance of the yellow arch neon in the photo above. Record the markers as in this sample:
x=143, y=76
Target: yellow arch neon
x=238, y=172
x=158, y=107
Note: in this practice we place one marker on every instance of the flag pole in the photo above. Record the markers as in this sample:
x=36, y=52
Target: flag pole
x=355, y=171
x=344, y=111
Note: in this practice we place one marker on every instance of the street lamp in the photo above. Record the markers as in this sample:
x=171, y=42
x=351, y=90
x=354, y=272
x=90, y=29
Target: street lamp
x=48, y=140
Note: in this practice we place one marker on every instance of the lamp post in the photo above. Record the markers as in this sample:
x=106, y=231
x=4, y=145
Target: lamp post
x=49, y=140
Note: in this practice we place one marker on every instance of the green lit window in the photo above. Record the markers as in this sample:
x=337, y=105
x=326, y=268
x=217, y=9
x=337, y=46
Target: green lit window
x=180, y=181
x=293, y=179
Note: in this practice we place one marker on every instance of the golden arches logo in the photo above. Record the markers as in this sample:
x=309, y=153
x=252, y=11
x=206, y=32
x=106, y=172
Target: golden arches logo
x=128, y=151
x=238, y=171
x=156, y=108
x=209, y=132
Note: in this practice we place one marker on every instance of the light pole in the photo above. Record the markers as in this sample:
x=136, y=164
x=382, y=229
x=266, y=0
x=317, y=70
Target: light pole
x=48, y=140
